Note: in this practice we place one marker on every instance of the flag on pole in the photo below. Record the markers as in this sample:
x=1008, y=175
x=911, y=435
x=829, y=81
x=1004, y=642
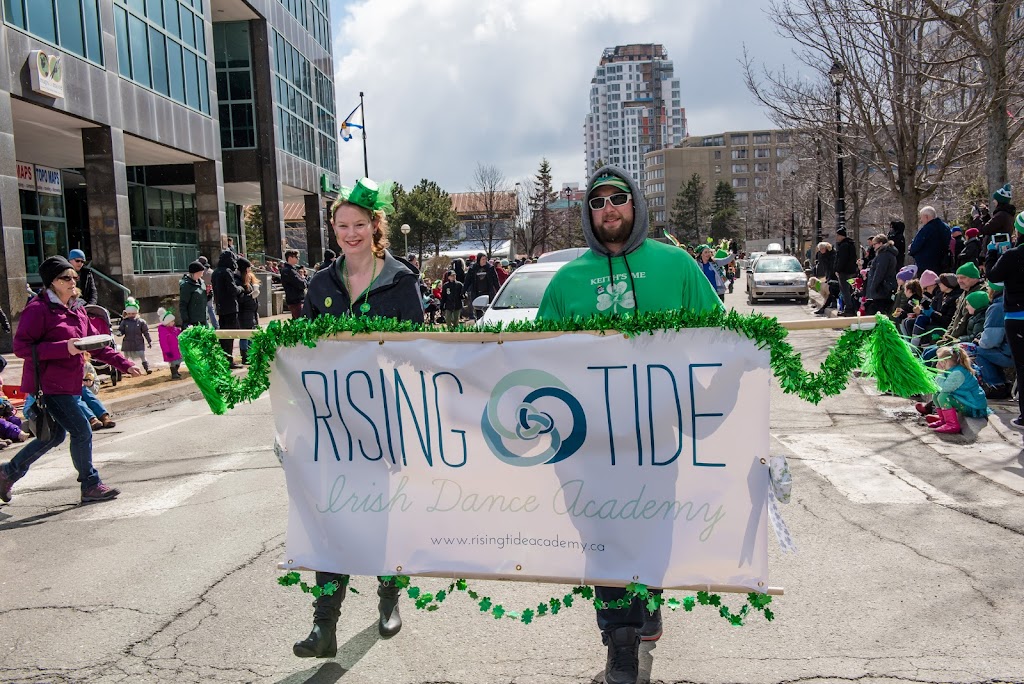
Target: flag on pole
x=347, y=125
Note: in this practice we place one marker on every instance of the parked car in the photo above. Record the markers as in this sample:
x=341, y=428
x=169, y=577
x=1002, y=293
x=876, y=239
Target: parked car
x=519, y=297
x=562, y=254
x=777, y=276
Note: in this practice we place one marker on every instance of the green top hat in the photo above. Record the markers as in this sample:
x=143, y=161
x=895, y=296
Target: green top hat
x=369, y=195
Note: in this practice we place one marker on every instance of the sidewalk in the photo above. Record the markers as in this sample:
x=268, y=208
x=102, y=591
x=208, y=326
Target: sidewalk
x=141, y=392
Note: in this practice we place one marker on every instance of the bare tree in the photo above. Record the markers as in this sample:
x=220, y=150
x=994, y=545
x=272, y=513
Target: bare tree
x=992, y=63
x=909, y=119
x=494, y=206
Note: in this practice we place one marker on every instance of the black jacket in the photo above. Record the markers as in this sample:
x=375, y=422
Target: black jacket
x=192, y=306
x=1008, y=269
x=294, y=284
x=944, y=308
x=226, y=288
x=482, y=280
x=395, y=293
x=248, y=307
x=1001, y=221
x=825, y=265
x=87, y=285
x=971, y=252
x=897, y=236
x=882, y=276
x=846, y=257
x=451, y=296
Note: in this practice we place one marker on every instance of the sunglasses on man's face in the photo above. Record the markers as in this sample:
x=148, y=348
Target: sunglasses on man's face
x=78, y=261
x=68, y=278
x=617, y=200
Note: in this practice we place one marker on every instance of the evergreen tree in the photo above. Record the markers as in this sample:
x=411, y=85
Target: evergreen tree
x=542, y=223
x=428, y=211
x=254, y=239
x=724, y=212
x=689, y=210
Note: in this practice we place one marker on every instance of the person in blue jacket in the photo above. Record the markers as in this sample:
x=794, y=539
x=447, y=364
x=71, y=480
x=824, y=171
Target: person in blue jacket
x=930, y=247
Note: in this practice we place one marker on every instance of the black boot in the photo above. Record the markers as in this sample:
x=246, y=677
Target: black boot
x=651, y=631
x=623, y=664
x=322, y=641
x=390, y=620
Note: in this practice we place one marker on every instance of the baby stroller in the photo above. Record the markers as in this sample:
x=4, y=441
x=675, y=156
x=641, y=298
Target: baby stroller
x=100, y=320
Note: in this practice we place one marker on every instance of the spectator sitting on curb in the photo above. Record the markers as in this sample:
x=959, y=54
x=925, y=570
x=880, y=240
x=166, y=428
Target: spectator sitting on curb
x=993, y=355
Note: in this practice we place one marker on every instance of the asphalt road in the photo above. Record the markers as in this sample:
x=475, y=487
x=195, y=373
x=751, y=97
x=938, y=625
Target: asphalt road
x=909, y=567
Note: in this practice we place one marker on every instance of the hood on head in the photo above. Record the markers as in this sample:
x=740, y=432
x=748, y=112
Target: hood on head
x=227, y=259
x=640, y=221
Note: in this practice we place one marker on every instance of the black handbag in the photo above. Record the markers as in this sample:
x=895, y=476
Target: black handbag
x=39, y=421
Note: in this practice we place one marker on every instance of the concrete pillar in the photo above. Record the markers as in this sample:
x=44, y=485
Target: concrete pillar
x=314, y=229
x=266, y=137
x=210, y=217
x=106, y=188
x=13, y=293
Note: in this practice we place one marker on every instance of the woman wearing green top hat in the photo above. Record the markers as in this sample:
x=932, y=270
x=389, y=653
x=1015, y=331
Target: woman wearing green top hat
x=365, y=280
x=713, y=265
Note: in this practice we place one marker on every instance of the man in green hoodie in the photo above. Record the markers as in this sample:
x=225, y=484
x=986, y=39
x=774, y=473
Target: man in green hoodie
x=624, y=273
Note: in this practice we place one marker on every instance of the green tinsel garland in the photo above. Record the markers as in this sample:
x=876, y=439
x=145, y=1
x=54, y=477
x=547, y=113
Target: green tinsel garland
x=635, y=590
x=889, y=357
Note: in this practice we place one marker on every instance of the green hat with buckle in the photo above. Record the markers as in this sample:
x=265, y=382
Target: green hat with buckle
x=369, y=195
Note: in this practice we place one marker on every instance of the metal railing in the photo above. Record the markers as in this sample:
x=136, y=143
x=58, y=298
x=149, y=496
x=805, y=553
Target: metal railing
x=163, y=257
x=262, y=257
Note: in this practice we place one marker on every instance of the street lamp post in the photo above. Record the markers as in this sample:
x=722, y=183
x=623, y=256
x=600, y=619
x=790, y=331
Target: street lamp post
x=792, y=213
x=837, y=74
x=405, y=233
x=817, y=187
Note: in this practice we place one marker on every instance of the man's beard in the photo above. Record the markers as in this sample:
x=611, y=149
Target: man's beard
x=618, y=234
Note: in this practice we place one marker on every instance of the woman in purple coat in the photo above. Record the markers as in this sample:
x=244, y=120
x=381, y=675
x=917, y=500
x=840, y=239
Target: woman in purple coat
x=51, y=323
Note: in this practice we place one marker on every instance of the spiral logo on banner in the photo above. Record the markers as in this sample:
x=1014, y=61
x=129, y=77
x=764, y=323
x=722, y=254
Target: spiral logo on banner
x=529, y=423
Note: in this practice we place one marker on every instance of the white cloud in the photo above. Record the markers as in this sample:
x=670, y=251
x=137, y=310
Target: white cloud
x=449, y=83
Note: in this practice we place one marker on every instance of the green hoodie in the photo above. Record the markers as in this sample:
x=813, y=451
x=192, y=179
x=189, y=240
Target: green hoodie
x=664, y=277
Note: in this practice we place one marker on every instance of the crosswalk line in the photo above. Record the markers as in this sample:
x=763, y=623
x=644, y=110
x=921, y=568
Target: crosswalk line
x=858, y=473
x=139, y=504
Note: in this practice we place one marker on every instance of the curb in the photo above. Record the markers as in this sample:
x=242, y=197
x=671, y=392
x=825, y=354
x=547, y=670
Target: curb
x=131, y=403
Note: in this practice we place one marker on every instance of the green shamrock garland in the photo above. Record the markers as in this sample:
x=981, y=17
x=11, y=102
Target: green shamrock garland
x=881, y=350
x=432, y=601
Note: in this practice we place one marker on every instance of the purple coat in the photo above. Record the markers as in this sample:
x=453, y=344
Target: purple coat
x=50, y=325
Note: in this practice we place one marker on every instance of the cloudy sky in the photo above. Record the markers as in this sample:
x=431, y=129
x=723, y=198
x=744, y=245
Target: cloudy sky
x=449, y=83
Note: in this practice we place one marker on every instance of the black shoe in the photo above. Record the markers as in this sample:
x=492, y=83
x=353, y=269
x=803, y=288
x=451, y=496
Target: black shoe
x=651, y=631
x=322, y=642
x=623, y=655
x=175, y=376
x=1018, y=422
x=390, y=620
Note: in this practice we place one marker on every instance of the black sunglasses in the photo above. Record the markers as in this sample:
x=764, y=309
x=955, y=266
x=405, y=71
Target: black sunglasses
x=68, y=278
x=617, y=200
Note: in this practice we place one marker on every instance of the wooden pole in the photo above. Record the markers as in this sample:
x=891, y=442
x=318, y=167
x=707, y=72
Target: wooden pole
x=443, y=336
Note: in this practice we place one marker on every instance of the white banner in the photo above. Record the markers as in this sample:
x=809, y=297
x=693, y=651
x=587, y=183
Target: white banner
x=578, y=458
x=48, y=180
x=26, y=176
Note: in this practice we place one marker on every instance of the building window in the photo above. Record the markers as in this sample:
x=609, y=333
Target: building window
x=740, y=168
x=739, y=154
x=326, y=122
x=718, y=168
x=71, y=25
x=161, y=45
x=759, y=181
x=294, y=98
x=782, y=137
x=739, y=182
x=297, y=8
x=762, y=167
x=236, y=106
x=762, y=138
x=782, y=152
x=762, y=153
x=43, y=228
x=321, y=27
x=741, y=197
x=738, y=139
x=718, y=154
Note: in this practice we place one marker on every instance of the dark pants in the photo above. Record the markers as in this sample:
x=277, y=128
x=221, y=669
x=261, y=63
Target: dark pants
x=295, y=310
x=612, y=618
x=1015, y=335
x=228, y=321
x=873, y=306
x=328, y=608
x=66, y=410
x=846, y=289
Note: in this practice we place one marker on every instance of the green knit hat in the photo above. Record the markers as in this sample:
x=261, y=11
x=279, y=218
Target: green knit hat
x=995, y=287
x=1019, y=223
x=970, y=270
x=1003, y=194
x=978, y=299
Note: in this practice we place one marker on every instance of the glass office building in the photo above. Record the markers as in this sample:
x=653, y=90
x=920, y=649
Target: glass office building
x=137, y=130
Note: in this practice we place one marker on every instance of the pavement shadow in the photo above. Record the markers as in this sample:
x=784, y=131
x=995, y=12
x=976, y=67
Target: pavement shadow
x=352, y=651
x=35, y=519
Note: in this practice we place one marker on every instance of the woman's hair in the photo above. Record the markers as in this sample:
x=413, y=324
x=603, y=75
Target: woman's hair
x=377, y=219
x=915, y=287
x=884, y=239
x=250, y=278
x=957, y=353
x=826, y=245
